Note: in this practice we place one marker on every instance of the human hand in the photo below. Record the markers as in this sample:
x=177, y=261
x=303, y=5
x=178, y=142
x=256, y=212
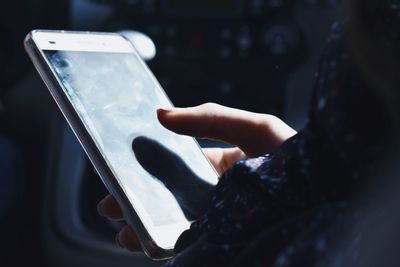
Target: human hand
x=252, y=134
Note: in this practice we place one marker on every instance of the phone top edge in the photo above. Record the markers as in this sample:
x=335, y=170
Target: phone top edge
x=80, y=41
x=34, y=31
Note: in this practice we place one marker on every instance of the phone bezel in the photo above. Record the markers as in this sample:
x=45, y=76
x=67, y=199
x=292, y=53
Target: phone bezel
x=35, y=51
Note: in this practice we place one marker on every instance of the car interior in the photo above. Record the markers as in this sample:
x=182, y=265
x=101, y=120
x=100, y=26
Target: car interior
x=257, y=55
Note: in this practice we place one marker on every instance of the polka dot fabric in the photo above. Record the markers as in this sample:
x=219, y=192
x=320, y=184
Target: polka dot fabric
x=283, y=209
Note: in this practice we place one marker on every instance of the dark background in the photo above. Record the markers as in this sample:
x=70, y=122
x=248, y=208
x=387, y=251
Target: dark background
x=258, y=55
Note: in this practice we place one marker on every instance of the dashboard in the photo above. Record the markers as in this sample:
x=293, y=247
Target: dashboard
x=237, y=53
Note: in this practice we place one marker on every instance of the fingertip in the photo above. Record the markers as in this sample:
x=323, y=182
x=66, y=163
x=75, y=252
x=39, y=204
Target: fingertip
x=162, y=115
x=128, y=239
x=162, y=111
x=109, y=208
x=179, y=120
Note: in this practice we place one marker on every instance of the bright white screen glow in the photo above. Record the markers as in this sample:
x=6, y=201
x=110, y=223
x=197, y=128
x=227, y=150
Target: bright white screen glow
x=116, y=98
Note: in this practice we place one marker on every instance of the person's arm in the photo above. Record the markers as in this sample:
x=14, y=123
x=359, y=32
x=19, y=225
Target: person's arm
x=253, y=134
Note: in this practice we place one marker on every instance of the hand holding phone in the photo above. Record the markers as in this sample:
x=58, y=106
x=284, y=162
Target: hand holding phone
x=215, y=122
x=109, y=97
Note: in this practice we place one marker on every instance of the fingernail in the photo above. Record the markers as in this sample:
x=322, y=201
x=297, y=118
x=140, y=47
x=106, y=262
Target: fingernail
x=118, y=241
x=164, y=110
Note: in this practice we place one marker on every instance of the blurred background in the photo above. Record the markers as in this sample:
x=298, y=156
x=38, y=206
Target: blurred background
x=258, y=55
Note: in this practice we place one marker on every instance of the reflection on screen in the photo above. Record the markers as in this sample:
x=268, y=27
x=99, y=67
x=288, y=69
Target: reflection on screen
x=117, y=100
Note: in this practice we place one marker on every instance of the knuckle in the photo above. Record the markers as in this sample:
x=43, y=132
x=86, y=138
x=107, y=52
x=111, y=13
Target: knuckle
x=209, y=105
x=267, y=118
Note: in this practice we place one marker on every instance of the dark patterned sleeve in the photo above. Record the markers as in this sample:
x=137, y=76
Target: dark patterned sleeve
x=323, y=163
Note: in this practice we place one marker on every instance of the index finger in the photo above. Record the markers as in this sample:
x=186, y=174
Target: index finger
x=256, y=134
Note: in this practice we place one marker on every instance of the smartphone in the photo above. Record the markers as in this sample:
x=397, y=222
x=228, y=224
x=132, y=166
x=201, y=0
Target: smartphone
x=109, y=96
